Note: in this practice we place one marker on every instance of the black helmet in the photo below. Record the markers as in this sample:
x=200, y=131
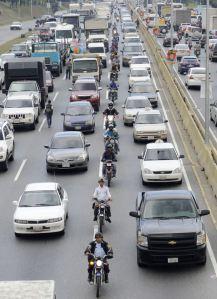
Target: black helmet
x=111, y=126
x=98, y=235
x=109, y=146
x=110, y=104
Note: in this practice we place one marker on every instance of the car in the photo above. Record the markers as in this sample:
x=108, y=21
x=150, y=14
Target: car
x=16, y=26
x=132, y=39
x=213, y=52
x=7, y=145
x=130, y=34
x=138, y=74
x=213, y=112
x=142, y=60
x=49, y=81
x=98, y=49
x=160, y=162
x=22, y=110
x=132, y=106
x=147, y=89
x=186, y=63
x=86, y=89
x=149, y=125
x=79, y=116
x=129, y=50
x=131, y=29
x=212, y=41
x=21, y=50
x=167, y=40
x=182, y=50
x=195, y=76
x=41, y=209
x=67, y=151
x=169, y=228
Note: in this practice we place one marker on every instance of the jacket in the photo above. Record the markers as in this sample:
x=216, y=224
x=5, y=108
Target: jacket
x=106, y=247
x=108, y=155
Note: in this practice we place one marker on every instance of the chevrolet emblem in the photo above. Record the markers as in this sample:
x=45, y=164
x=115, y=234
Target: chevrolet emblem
x=172, y=242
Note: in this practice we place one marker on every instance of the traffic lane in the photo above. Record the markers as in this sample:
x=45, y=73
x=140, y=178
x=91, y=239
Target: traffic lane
x=6, y=34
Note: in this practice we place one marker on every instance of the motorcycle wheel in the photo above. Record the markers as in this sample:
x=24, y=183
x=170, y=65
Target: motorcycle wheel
x=98, y=283
x=100, y=224
x=109, y=181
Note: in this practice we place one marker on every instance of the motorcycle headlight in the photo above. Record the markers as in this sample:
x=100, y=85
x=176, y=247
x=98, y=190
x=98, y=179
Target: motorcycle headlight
x=177, y=170
x=55, y=220
x=99, y=263
x=142, y=240
x=147, y=171
x=201, y=238
x=50, y=158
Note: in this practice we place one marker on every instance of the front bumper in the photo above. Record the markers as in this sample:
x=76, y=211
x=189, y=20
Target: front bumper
x=78, y=127
x=160, y=257
x=162, y=178
x=77, y=164
x=43, y=228
x=148, y=136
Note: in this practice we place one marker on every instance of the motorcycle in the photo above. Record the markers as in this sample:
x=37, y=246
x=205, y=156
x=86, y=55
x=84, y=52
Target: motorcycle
x=197, y=52
x=113, y=95
x=109, y=119
x=109, y=172
x=98, y=272
x=113, y=76
x=101, y=215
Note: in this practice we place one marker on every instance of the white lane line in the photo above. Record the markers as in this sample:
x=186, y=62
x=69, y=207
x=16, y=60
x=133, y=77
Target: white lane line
x=56, y=95
x=95, y=230
x=108, y=75
x=64, y=77
x=209, y=248
x=106, y=95
x=100, y=169
x=20, y=170
x=40, y=128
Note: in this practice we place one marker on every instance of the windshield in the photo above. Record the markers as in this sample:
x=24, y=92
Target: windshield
x=189, y=60
x=84, y=86
x=139, y=73
x=44, y=47
x=25, y=86
x=19, y=48
x=198, y=71
x=169, y=208
x=39, y=198
x=18, y=103
x=140, y=60
x=79, y=110
x=132, y=40
x=66, y=142
x=132, y=49
x=138, y=104
x=96, y=50
x=149, y=119
x=143, y=88
x=84, y=66
x=63, y=34
x=160, y=154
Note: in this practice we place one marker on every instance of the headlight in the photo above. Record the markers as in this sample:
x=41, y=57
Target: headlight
x=55, y=220
x=147, y=171
x=99, y=263
x=50, y=158
x=4, y=115
x=29, y=115
x=93, y=96
x=163, y=132
x=201, y=238
x=177, y=170
x=20, y=221
x=142, y=240
x=82, y=156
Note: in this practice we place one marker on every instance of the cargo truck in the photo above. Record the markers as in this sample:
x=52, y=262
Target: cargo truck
x=96, y=26
x=181, y=16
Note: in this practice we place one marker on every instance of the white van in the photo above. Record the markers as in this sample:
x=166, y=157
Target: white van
x=99, y=49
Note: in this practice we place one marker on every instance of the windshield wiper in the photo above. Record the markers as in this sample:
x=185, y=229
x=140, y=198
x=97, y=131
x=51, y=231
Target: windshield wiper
x=160, y=218
x=181, y=217
x=41, y=205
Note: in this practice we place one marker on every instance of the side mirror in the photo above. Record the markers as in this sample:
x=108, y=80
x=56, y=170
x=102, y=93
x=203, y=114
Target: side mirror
x=157, y=90
x=87, y=144
x=204, y=212
x=70, y=89
x=181, y=156
x=63, y=114
x=140, y=157
x=15, y=203
x=166, y=121
x=46, y=146
x=134, y=214
x=99, y=88
x=129, y=91
x=1, y=106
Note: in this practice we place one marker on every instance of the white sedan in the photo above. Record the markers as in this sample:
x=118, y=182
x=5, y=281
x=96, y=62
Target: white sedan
x=141, y=60
x=182, y=50
x=138, y=74
x=42, y=208
x=194, y=76
x=160, y=162
x=16, y=26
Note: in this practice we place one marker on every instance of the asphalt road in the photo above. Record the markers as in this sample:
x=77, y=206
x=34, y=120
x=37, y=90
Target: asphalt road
x=61, y=258
x=6, y=34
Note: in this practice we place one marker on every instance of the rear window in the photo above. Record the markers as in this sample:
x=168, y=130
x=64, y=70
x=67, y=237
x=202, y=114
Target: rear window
x=198, y=71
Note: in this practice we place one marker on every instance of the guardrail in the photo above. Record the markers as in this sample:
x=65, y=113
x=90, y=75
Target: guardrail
x=206, y=154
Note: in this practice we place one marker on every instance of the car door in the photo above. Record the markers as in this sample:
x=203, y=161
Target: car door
x=8, y=135
x=63, y=197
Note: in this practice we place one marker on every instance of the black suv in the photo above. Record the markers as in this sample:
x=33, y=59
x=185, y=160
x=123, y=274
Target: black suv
x=169, y=228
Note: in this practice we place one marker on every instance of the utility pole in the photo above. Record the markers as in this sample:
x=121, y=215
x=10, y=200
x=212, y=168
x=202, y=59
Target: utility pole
x=31, y=7
x=207, y=92
x=171, y=21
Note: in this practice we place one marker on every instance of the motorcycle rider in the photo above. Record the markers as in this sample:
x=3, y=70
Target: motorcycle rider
x=112, y=133
x=110, y=110
x=102, y=193
x=109, y=155
x=98, y=248
x=197, y=49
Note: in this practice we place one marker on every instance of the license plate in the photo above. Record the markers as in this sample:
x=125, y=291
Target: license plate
x=65, y=164
x=162, y=177
x=109, y=164
x=150, y=138
x=172, y=260
x=38, y=228
x=78, y=128
x=16, y=121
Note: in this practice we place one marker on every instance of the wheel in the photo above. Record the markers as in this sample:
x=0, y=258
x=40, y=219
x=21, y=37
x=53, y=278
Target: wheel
x=138, y=259
x=98, y=283
x=143, y=182
x=12, y=154
x=100, y=224
x=203, y=263
x=48, y=170
x=135, y=140
x=179, y=182
x=97, y=108
x=109, y=182
x=33, y=125
x=17, y=235
x=37, y=119
x=5, y=164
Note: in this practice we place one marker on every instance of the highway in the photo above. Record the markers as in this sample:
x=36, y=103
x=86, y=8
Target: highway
x=61, y=258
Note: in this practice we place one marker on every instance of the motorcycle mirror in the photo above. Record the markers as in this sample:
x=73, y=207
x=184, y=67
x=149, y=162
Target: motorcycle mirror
x=123, y=106
x=70, y=89
x=140, y=157
x=134, y=214
x=87, y=144
x=63, y=114
x=46, y=146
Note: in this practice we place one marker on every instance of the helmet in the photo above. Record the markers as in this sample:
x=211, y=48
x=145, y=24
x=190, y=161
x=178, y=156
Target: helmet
x=98, y=235
x=111, y=126
x=110, y=104
x=109, y=146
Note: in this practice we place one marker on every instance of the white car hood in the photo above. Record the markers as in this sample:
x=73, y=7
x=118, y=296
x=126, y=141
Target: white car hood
x=38, y=213
x=150, y=127
x=162, y=165
x=18, y=110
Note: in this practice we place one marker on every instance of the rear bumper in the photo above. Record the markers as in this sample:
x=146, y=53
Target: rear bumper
x=81, y=128
x=74, y=165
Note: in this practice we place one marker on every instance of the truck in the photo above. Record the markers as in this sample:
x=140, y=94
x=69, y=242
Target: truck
x=28, y=289
x=24, y=69
x=96, y=26
x=50, y=51
x=72, y=19
x=212, y=13
x=181, y=16
x=64, y=33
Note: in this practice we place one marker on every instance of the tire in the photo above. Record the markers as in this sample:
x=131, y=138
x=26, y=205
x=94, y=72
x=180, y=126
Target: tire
x=141, y=265
x=42, y=104
x=49, y=170
x=203, y=263
x=135, y=140
x=109, y=182
x=12, y=154
x=97, y=108
x=17, y=235
x=143, y=182
x=33, y=126
x=98, y=284
x=179, y=182
x=5, y=164
x=100, y=224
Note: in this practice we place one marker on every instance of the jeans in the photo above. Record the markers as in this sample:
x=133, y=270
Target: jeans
x=49, y=120
x=68, y=73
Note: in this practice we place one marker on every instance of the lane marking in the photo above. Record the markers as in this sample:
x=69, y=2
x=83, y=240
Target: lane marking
x=106, y=95
x=40, y=128
x=64, y=77
x=108, y=75
x=20, y=170
x=95, y=230
x=56, y=95
x=100, y=168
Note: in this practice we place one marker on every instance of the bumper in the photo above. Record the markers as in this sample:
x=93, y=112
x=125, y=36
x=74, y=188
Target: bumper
x=150, y=137
x=128, y=119
x=165, y=178
x=71, y=166
x=81, y=128
x=193, y=82
x=156, y=257
x=126, y=61
x=32, y=229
